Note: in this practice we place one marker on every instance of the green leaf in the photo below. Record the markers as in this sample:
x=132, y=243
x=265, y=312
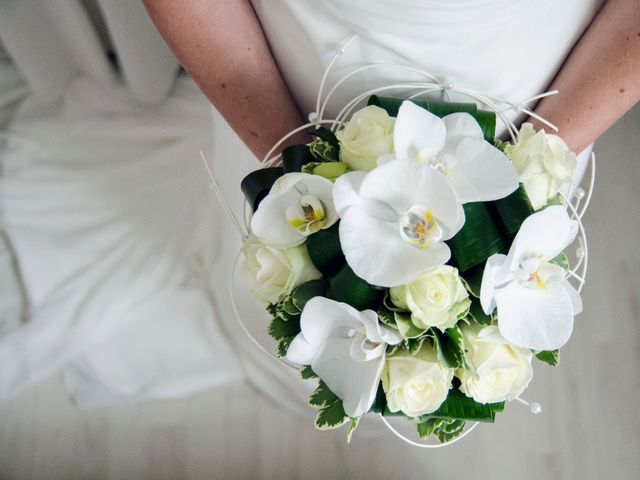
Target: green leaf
x=450, y=346
x=555, y=200
x=331, y=417
x=413, y=345
x=305, y=292
x=426, y=428
x=283, y=346
x=387, y=317
x=294, y=157
x=459, y=406
x=307, y=372
x=257, y=185
x=327, y=135
x=561, y=260
x=406, y=327
x=472, y=280
x=449, y=429
x=280, y=329
x=478, y=239
x=322, y=396
x=509, y=212
x=477, y=313
x=353, y=424
x=347, y=287
x=486, y=119
x=552, y=357
x=323, y=151
x=325, y=251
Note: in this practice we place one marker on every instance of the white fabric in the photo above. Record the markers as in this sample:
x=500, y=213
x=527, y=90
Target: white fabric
x=111, y=219
x=53, y=42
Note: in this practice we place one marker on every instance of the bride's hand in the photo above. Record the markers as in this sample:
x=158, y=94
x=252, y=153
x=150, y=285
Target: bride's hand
x=600, y=79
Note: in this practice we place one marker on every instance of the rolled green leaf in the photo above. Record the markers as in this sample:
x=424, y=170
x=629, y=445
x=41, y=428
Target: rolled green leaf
x=257, y=185
x=347, y=287
x=325, y=251
x=305, y=292
x=478, y=239
x=295, y=156
x=486, y=119
x=509, y=212
x=327, y=135
x=460, y=407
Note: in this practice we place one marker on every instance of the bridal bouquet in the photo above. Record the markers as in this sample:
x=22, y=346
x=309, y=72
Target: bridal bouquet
x=414, y=264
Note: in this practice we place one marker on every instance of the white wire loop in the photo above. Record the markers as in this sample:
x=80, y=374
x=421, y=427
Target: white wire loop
x=428, y=85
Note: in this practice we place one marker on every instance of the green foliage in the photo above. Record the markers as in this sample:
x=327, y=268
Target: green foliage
x=353, y=424
x=406, y=327
x=509, y=212
x=327, y=135
x=472, y=280
x=257, y=185
x=307, y=372
x=331, y=412
x=561, y=260
x=445, y=429
x=450, y=346
x=324, y=151
x=460, y=407
x=294, y=157
x=478, y=239
x=477, y=313
x=552, y=357
x=325, y=251
x=305, y=292
x=347, y=287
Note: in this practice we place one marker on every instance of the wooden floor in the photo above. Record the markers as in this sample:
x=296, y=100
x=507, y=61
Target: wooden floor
x=590, y=427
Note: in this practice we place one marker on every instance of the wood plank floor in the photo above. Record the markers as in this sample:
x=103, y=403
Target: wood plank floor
x=590, y=427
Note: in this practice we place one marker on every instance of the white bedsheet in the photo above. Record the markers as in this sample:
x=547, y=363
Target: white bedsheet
x=107, y=207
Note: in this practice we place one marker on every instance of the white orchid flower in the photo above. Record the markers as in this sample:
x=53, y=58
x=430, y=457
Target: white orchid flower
x=455, y=147
x=536, y=304
x=395, y=220
x=298, y=205
x=345, y=348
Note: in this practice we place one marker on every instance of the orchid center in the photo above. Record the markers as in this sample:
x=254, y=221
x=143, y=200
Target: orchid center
x=420, y=227
x=362, y=349
x=437, y=161
x=536, y=272
x=307, y=215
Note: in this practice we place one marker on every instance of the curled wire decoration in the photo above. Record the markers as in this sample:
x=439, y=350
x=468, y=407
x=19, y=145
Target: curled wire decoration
x=576, y=203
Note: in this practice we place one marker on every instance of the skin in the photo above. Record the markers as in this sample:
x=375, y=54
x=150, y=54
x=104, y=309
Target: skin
x=222, y=46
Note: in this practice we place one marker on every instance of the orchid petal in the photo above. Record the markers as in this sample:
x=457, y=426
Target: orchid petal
x=355, y=383
x=378, y=332
x=482, y=173
x=460, y=125
x=417, y=130
x=345, y=190
x=377, y=253
x=489, y=281
x=536, y=318
x=322, y=316
x=547, y=232
x=269, y=222
x=300, y=351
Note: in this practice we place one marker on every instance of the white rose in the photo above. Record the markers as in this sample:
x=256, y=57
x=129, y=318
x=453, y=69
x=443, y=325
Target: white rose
x=416, y=385
x=367, y=136
x=503, y=370
x=544, y=163
x=271, y=272
x=436, y=299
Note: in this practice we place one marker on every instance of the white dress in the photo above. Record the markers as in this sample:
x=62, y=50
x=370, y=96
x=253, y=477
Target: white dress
x=508, y=48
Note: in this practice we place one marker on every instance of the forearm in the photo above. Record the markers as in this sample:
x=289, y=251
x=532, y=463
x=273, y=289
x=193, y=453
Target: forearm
x=222, y=46
x=600, y=80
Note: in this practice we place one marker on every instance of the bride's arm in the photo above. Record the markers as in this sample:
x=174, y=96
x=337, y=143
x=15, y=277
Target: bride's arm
x=600, y=80
x=222, y=46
